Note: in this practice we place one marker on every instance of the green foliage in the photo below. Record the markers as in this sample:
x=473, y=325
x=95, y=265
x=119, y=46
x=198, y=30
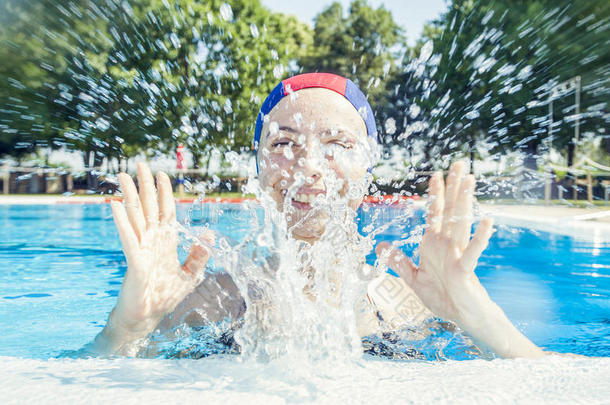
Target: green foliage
x=491, y=72
x=123, y=77
x=361, y=45
x=113, y=78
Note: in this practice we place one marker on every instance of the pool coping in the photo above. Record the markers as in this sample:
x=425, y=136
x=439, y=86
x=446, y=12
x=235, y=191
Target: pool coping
x=52, y=200
x=553, y=220
x=58, y=200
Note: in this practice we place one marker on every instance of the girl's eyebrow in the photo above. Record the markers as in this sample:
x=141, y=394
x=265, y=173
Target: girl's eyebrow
x=338, y=132
x=285, y=129
x=289, y=129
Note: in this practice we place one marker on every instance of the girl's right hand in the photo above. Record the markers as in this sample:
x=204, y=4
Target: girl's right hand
x=155, y=281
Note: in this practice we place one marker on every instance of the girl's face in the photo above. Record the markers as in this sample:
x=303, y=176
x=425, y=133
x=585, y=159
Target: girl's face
x=314, y=144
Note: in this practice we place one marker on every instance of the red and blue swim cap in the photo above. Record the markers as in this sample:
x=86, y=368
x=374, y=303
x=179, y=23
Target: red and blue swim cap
x=330, y=81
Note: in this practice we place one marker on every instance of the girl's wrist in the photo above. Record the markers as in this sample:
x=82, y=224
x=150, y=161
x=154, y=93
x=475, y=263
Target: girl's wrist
x=493, y=328
x=118, y=338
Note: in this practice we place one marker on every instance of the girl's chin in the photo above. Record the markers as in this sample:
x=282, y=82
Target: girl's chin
x=310, y=229
x=306, y=236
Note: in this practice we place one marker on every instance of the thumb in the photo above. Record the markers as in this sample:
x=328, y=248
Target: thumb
x=395, y=259
x=199, y=254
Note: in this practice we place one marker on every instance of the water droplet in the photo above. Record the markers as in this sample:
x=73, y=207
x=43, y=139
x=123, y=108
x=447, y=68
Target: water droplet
x=363, y=112
x=298, y=119
x=274, y=128
x=102, y=124
x=426, y=51
x=414, y=110
x=254, y=30
x=288, y=152
x=278, y=71
x=226, y=12
x=471, y=115
x=487, y=17
x=390, y=126
x=263, y=240
x=525, y=73
x=174, y=40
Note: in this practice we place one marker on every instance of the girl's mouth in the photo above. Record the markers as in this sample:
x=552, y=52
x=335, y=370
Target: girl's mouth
x=303, y=199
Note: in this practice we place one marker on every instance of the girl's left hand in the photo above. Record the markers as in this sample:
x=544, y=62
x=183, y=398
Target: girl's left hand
x=445, y=280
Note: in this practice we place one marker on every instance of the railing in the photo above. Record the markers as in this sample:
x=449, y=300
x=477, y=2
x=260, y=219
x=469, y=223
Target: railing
x=36, y=180
x=50, y=180
x=582, y=175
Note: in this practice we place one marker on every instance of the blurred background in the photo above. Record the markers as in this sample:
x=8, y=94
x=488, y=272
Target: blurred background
x=520, y=89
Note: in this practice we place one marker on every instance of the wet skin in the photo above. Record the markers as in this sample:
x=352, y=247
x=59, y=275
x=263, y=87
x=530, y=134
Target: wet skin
x=315, y=136
x=312, y=144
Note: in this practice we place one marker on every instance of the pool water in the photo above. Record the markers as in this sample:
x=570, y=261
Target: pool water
x=61, y=268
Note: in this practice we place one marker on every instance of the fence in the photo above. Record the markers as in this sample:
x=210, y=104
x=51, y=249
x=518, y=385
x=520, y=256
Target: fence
x=582, y=183
x=580, y=176
x=35, y=180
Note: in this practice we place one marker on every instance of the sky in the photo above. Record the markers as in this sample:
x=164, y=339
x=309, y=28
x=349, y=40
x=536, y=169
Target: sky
x=410, y=14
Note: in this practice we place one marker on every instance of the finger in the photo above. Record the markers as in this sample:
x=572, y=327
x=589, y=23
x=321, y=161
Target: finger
x=397, y=261
x=436, y=191
x=454, y=178
x=477, y=245
x=148, y=196
x=167, y=205
x=199, y=254
x=133, y=207
x=463, y=213
x=127, y=235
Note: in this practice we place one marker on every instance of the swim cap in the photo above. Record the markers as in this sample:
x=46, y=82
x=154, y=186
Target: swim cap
x=330, y=81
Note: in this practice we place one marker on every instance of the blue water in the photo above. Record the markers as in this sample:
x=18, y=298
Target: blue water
x=61, y=268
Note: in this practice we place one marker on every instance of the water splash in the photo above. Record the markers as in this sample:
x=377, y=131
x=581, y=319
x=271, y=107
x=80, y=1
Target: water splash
x=478, y=85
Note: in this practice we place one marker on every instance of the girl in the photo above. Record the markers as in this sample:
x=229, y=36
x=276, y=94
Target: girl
x=314, y=143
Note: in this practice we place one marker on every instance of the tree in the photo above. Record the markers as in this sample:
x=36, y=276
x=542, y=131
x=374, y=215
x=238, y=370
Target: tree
x=204, y=64
x=47, y=49
x=361, y=45
x=127, y=77
x=487, y=69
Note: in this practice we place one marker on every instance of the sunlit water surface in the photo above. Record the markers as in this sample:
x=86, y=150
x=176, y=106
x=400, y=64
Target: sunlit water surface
x=62, y=268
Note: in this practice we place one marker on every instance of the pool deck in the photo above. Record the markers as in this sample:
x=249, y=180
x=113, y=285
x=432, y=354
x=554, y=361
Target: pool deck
x=215, y=380
x=589, y=223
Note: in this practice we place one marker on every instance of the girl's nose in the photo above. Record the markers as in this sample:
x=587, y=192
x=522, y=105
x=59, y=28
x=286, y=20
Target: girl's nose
x=311, y=160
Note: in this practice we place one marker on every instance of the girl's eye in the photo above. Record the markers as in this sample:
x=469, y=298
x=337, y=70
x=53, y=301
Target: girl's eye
x=334, y=148
x=339, y=144
x=281, y=143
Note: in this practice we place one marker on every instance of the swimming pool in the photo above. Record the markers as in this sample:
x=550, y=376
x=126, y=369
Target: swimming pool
x=62, y=268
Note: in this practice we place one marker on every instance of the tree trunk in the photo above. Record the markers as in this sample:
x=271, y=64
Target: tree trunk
x=196, y=159
x=530, y=155
x=471, y=153
x=530, y=185
x=87, y=162
x=606, y=145
x=571, y=154
x=426, y=165
x=92, y=179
